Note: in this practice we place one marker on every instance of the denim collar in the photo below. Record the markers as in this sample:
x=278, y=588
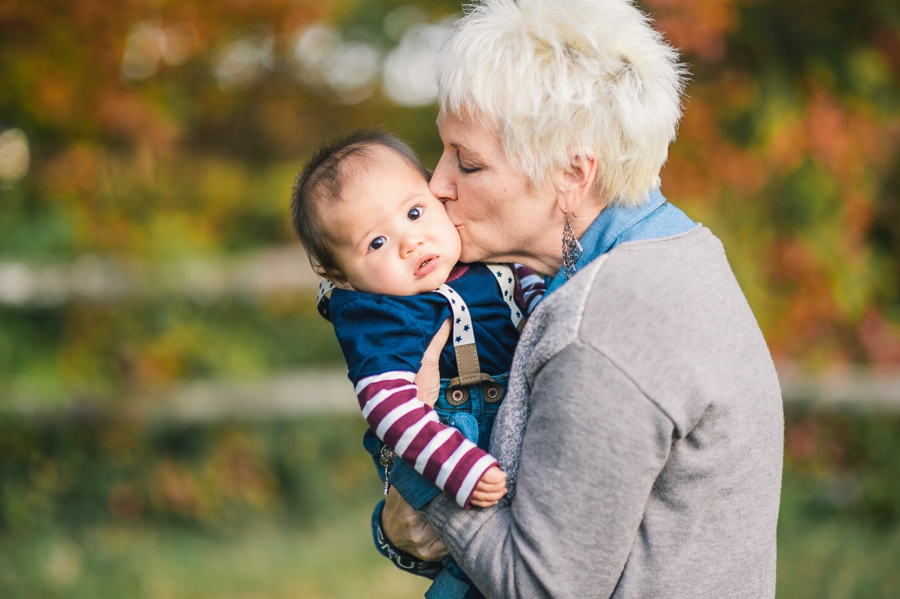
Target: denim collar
x=613, y=225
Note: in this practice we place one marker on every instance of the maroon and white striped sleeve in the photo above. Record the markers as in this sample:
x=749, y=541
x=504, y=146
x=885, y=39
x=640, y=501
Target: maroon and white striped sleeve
x=390, y=404
x=532, y=284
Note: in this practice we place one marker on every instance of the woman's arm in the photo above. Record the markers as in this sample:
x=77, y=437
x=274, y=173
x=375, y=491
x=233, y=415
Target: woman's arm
x=592, y=450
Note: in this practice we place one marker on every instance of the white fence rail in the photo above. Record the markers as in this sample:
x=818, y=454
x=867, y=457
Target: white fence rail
x=850, y=389
x=106, y=278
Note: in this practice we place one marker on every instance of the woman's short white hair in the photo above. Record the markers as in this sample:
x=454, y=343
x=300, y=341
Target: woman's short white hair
x=561, y=76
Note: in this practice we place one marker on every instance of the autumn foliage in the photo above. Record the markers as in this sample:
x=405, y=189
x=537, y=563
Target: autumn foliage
x=169, y=131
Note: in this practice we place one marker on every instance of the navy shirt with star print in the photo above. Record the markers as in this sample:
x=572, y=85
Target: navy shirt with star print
x=382, y=333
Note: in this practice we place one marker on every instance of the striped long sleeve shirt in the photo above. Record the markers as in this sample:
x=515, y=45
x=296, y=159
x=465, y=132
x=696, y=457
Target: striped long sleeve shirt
x=412, y=429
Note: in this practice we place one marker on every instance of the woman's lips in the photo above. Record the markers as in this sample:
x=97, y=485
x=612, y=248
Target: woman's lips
x=427, y=263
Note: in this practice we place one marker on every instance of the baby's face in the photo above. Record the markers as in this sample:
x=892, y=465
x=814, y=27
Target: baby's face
x=392, y=236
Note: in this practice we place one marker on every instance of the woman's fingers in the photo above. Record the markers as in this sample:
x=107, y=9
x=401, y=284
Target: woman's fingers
x=407, y=530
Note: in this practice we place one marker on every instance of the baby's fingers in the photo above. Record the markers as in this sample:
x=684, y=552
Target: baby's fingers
x=479, y=503
x=480, y=499
x=486, y=497
x=493, y=475
x=483, y=487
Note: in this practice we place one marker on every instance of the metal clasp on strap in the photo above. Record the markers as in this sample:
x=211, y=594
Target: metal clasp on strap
x=458, y=393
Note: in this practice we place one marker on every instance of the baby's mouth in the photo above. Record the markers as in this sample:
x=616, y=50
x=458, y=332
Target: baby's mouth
x=426, y=264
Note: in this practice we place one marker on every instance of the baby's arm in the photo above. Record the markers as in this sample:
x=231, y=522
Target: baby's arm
x=413, y=430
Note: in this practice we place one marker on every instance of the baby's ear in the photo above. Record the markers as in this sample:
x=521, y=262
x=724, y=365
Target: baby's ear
x=336, y=277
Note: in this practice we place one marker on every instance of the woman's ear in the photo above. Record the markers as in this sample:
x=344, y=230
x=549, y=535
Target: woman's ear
x=577, y=180
x=334, y=276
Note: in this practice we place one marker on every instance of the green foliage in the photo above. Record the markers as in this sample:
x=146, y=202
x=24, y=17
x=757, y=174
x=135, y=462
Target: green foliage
x=107, y=353
x=788, y=151
x=92, y=470
x=842, y=467
x=833, y=559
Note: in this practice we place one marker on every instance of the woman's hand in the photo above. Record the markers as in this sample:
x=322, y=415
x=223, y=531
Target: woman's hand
x=428, y=379
x=408, y=531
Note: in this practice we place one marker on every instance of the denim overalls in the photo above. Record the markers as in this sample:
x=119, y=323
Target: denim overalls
x=468, y=402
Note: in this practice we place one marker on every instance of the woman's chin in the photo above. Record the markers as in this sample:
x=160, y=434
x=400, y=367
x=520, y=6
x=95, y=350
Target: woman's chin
x=472, y=254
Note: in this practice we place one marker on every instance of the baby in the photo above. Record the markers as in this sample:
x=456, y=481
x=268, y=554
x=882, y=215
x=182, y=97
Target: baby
x=363, y=211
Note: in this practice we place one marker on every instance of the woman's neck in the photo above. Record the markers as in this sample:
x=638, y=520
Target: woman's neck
x=546, y=256
x=584, y=217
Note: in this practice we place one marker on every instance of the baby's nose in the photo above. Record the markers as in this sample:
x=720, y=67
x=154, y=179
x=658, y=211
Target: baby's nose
x=411, y=242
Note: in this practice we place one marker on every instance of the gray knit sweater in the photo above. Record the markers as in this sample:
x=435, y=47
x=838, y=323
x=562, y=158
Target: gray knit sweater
x=647, y=412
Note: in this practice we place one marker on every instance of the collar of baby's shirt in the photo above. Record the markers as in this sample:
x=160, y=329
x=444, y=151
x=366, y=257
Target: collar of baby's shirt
x=457, y=271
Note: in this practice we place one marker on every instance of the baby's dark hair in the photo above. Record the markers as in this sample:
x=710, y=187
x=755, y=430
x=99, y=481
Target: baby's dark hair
x=323, y=177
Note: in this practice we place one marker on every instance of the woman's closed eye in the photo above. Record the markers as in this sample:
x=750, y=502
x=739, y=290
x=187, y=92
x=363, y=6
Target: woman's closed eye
x=377, y=243
x=466, y=167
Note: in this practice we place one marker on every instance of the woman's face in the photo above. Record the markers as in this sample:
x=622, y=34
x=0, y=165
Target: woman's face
x=500, y=215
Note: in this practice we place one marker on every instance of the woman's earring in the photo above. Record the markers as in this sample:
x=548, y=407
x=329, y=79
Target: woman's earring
x=571, y=249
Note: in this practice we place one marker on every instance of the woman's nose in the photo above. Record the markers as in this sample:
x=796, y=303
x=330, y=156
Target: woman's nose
x=442, y=185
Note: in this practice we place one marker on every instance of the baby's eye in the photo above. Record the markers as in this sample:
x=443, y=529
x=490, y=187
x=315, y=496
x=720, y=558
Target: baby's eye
x=377, y=243
x=414, y=213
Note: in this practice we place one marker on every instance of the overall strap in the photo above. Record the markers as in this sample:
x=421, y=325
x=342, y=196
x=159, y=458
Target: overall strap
x=463, y=333
x=463, y=338
x=507, y=281
x=325, y=287
x=324, y=293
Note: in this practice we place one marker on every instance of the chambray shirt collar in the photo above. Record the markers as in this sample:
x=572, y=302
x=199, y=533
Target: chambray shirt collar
x=612, y=227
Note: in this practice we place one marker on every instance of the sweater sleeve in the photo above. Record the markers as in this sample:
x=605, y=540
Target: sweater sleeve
x=410, y=427
x=592, y=449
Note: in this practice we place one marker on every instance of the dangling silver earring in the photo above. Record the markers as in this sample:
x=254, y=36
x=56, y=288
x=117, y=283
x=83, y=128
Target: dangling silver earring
x=571, y=249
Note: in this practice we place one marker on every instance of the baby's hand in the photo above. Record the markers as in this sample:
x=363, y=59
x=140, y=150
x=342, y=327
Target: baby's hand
x=490, y=488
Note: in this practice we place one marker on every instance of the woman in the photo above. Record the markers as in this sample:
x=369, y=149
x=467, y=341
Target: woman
x=643, y=428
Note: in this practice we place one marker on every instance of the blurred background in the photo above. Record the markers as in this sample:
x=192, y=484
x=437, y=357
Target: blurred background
x=174, y=417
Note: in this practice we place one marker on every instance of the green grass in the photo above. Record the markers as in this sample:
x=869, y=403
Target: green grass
x=817, y=559
x=269, y=562
x=837, y=560
x=279, y=509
